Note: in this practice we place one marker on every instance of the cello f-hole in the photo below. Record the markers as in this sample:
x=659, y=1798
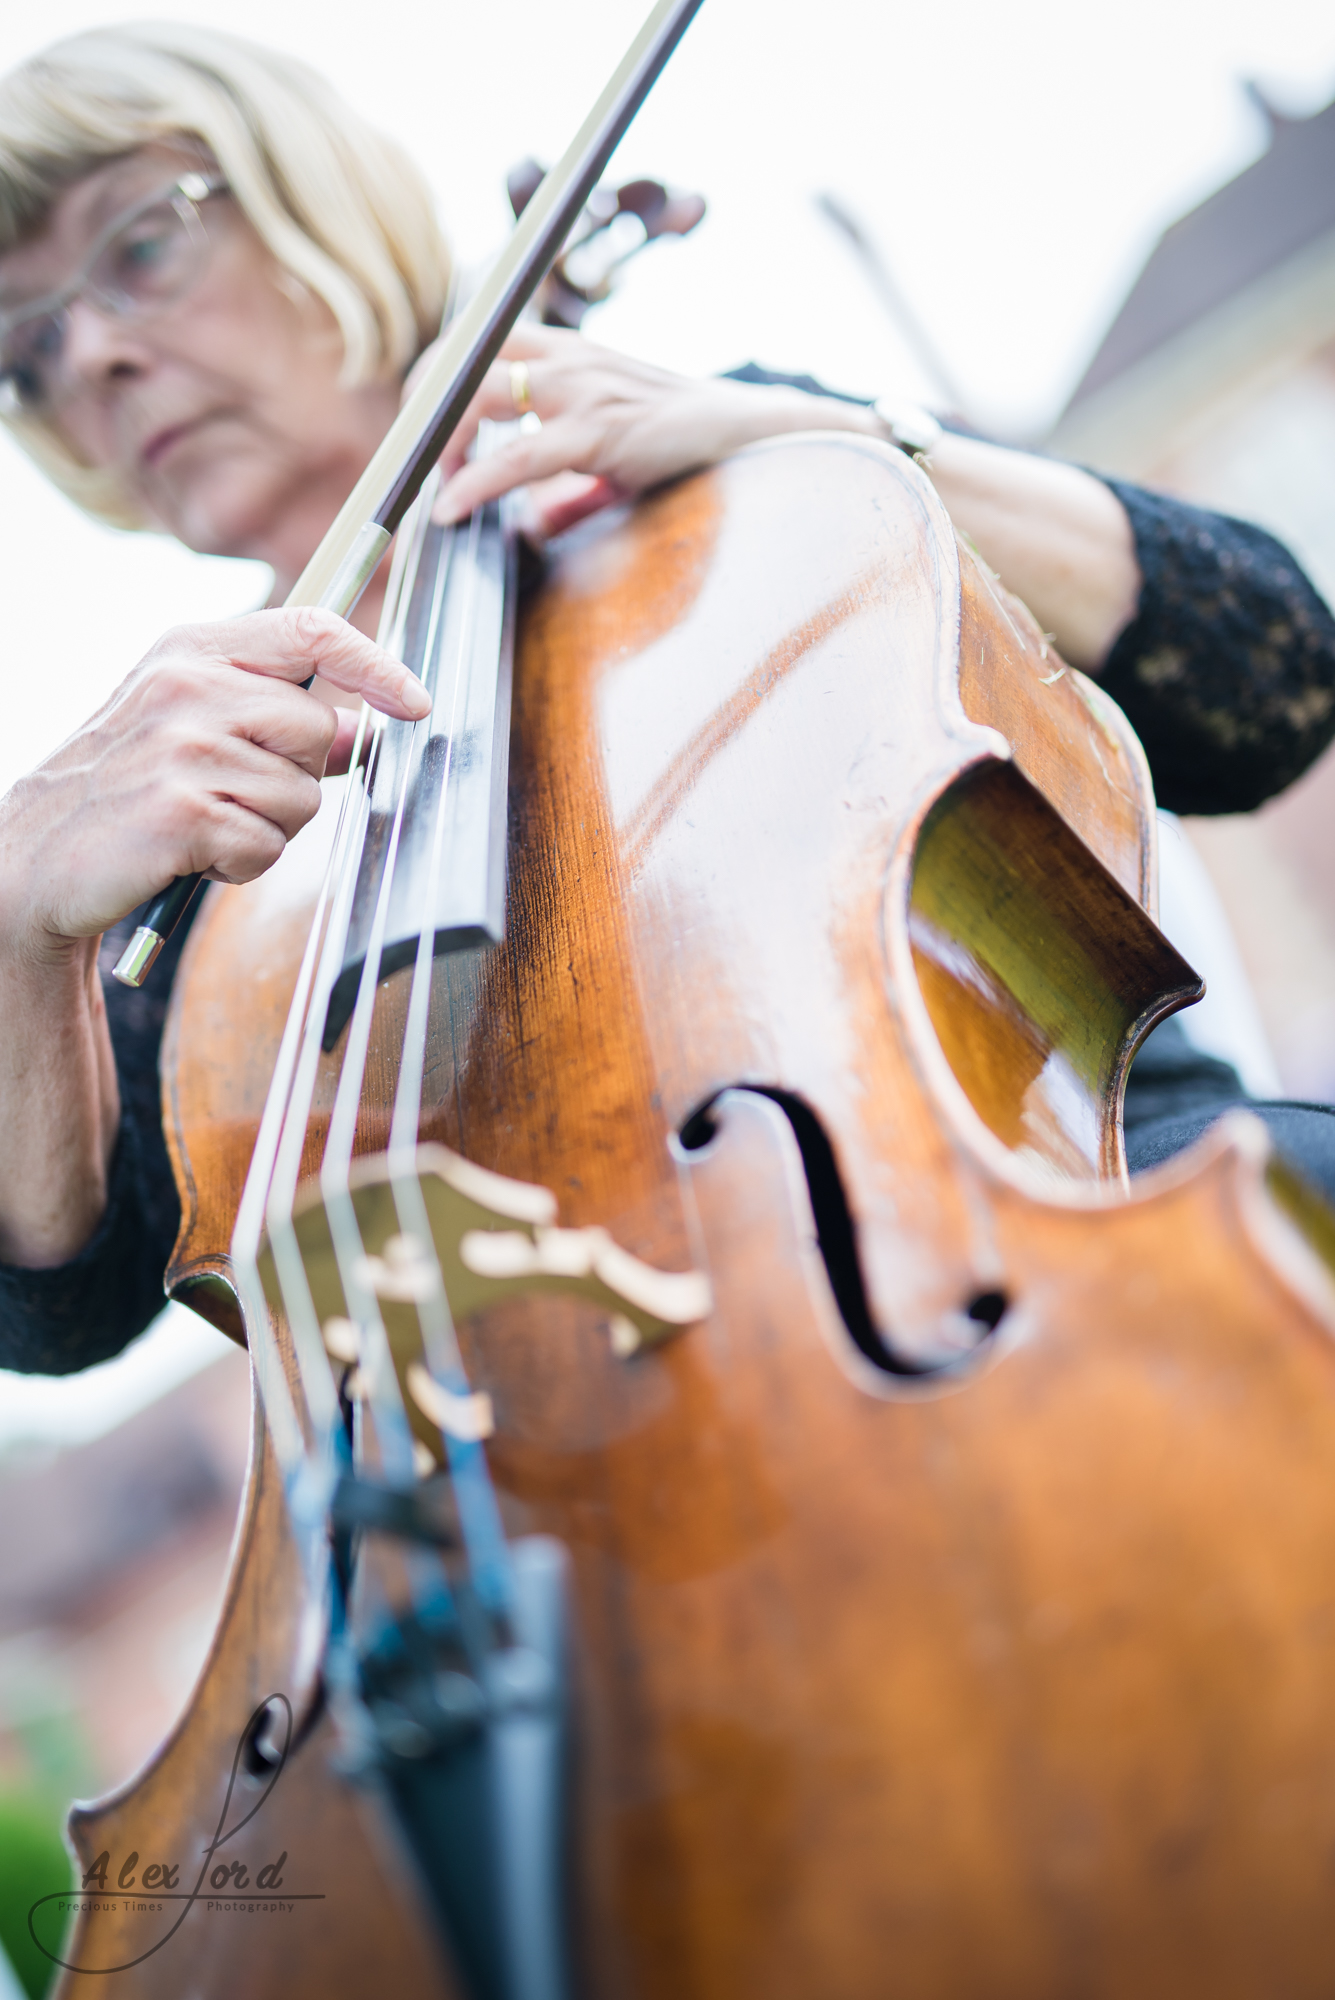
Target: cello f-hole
x=700, y=1129
x=271, y=1737
x=266, y=1741
x=836, y=1236
x=988, y=1309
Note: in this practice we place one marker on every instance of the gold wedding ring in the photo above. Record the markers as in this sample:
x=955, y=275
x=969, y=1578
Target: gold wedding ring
x=520, y=392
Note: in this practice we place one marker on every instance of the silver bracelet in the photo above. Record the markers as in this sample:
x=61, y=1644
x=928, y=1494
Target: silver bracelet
x=908, y=427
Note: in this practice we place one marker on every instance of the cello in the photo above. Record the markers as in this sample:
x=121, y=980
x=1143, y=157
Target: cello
x=940, y=1526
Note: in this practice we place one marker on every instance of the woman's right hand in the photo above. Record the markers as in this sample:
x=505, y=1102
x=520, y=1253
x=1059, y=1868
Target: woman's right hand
x=205, y=760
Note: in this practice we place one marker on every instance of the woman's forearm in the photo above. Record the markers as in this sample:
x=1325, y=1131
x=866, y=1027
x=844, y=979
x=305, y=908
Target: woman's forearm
x=59, y=1102
x=1055, y=535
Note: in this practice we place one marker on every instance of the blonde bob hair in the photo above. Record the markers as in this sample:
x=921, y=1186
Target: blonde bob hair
x=341, y=207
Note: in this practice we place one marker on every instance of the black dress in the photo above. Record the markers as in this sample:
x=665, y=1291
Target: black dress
x=1227, y=675
x=1227, y=672
x=52, y=1322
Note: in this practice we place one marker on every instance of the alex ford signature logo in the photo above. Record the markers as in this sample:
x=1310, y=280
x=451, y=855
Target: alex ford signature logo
x=220, y=1885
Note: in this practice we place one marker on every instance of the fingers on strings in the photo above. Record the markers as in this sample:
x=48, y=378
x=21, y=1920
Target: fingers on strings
x=301, y=642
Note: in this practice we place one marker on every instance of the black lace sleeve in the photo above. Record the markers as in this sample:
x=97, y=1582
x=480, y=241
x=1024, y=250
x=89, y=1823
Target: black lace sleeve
x=55, y=1321
x=751, y=371
x=1227, y=671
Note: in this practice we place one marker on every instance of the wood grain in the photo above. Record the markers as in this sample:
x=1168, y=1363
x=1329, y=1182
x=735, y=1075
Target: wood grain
x=910, y=1660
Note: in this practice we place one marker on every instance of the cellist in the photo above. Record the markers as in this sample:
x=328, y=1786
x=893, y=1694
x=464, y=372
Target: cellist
x=213, y=277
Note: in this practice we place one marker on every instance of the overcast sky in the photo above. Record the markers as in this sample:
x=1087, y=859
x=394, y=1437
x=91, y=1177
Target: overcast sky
x=1014, y=162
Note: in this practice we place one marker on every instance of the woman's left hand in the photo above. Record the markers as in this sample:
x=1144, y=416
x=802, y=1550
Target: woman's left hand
x=610, y=427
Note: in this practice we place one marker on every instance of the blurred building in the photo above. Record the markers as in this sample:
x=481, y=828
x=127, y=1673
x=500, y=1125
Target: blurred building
x=112, y=1567
x=1216, y=381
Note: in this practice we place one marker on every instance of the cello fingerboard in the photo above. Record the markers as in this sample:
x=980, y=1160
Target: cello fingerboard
x=452, y=621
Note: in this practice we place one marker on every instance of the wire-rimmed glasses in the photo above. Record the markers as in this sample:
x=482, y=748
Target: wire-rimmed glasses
x=143, y=261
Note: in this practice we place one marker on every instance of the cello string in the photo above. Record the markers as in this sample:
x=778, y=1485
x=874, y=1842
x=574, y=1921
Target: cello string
x=303, y=1321
x=389, y=1414
x=423, y=1570
x=281, y=1411
x=307, y=1490
x=247, y=1229
x=384, y=1574
x=302, y=1027
x=386, y=1419
x=382, y=1383
x=412, y=1058
x=299, y=1096
x=286, y=1170
x=484, y=1539
x=352, y=1075
x=385, y=1566
x=479, y=1515
x=412, y=1061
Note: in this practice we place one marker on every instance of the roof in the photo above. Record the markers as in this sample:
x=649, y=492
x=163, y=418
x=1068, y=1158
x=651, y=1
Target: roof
x=1275, y=208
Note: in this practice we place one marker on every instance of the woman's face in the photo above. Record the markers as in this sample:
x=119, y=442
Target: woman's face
x=221, y=411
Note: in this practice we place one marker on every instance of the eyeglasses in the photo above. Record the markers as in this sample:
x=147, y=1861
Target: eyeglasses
x=145, y=260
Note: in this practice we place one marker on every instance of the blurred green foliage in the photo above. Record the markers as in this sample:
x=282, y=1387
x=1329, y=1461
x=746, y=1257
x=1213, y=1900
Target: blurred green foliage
x=33, y=1863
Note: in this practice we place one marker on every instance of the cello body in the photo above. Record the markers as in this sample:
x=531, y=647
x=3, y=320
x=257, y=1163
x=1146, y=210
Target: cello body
x=953, y=1608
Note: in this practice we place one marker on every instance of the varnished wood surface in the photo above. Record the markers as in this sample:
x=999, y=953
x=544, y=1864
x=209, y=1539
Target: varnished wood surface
x=1017, y=1690
x=354, y=1925
x=1006, y=1683
x=1064, y=733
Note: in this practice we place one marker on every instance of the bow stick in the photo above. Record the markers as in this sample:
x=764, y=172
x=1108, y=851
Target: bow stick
x=350, y=553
